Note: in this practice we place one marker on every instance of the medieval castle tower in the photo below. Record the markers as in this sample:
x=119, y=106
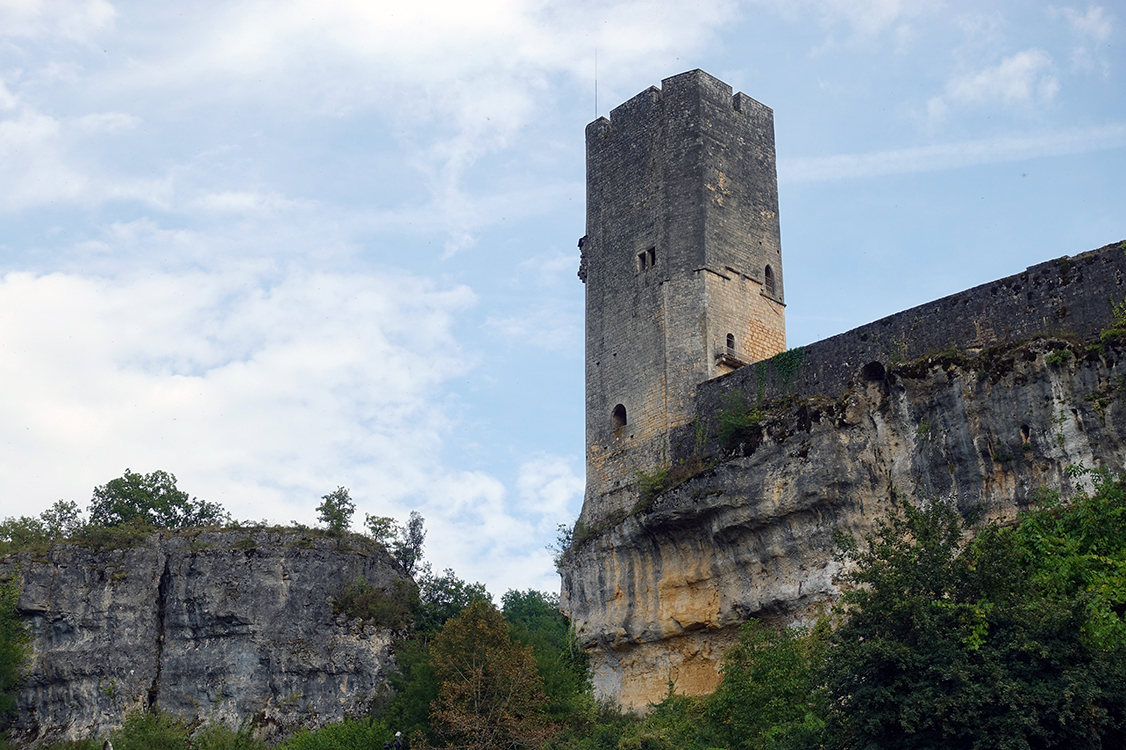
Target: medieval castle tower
x=682, y=263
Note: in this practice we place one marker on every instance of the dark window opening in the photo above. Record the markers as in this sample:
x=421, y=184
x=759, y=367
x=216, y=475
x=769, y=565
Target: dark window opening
x=769, y=283
x=618, y=417
x=646, y=259
x=731, y=341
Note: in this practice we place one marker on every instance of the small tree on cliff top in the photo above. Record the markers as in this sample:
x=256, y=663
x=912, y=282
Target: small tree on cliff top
x=336, y=511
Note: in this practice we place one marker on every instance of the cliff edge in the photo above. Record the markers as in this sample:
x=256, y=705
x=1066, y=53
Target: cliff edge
x=226, y=626
x=658, y=593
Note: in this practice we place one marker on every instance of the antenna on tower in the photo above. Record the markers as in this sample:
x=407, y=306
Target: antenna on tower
x=596, y=83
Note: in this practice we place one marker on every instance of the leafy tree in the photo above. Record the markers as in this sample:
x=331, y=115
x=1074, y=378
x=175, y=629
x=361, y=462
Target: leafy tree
x=766, y=697
x=60, y=521
x=490, y=693
x=948, y=644
x=152, y=500
x=403, y=542
x=336, y=510
x=14, y=645
x=381, y=528
x=415, y=688
x=534, y=620
x=441, y=598
x=407, y=549
x=444, y=597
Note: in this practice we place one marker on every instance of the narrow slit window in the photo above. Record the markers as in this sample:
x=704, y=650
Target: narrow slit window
x=768, y=284
x=642, y=261
x=731, y=341
x=652, y=253
x=618, y=417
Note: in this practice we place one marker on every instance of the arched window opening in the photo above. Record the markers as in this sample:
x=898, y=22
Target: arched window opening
x=769, y=283
x=731, y=341
x=618, y=417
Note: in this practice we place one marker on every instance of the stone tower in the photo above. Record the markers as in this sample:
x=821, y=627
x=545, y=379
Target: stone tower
x=683, y=268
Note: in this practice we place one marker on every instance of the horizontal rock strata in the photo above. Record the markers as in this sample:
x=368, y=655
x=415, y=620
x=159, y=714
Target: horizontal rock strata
x=656, y=594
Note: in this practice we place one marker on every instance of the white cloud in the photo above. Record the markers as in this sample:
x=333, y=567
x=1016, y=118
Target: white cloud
x=1023, y=78
x=246, y=202
x=33, y=169
x=951, y=155
x=75, y=20
x=550, y=326
x=8, y=100
x=550, y=485
x=1094, y=28
x=261, y=390
x=107, y=122
x=43, y=159
x=864, y=21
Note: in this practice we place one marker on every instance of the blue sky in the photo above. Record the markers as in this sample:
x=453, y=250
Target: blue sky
x=279, y=247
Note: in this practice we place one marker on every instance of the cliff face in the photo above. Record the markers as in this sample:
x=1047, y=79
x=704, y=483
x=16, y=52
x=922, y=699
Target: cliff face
x=220, y=626
x=659, y=594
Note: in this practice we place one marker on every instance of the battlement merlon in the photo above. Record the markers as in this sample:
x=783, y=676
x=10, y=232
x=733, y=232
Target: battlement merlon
x=693, y=84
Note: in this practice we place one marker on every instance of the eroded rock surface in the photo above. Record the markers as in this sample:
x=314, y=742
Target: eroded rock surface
x=227, y=626
x=658, y=595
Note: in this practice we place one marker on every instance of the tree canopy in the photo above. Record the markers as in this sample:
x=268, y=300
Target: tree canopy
x=152, y=500
x=490, y=694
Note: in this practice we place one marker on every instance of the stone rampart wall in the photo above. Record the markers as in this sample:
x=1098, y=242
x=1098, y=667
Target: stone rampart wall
x=1068, y=296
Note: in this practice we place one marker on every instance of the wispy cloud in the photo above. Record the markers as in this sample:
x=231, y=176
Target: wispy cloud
x=1092, y=29
x=1022, y=79
x=74, y=20
x=951, y=155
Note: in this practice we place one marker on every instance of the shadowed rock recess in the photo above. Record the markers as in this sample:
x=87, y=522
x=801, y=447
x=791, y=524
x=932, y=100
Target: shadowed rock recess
x=228, y=626
x=983, y=396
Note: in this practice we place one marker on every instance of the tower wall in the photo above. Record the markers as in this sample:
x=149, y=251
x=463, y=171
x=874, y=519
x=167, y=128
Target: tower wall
x=682, y=221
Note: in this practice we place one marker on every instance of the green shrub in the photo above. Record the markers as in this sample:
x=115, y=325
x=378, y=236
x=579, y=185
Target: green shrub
x=393, y=607
x=152, y=730
x=101, y=538
x=739, y=421
x=1059, y=357
x=219, y=737
x=350, y=734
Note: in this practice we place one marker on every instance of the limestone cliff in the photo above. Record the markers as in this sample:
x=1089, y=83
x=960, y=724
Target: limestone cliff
x=221, y=626
x=657, y=594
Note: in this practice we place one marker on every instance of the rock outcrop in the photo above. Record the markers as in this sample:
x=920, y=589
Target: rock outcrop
x=657, y=594
x=230, y=626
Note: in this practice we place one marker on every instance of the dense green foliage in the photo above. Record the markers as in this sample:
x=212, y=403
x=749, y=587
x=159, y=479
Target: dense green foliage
x=14, y=640
x=1011, y=641
x=157, y=730
x=489, y=690
x=153, y=500
x=392, y=607
x=350, y=734
x=766, y=698
x=534, y=620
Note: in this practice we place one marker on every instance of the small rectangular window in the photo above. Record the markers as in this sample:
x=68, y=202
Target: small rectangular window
x=642, y=261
